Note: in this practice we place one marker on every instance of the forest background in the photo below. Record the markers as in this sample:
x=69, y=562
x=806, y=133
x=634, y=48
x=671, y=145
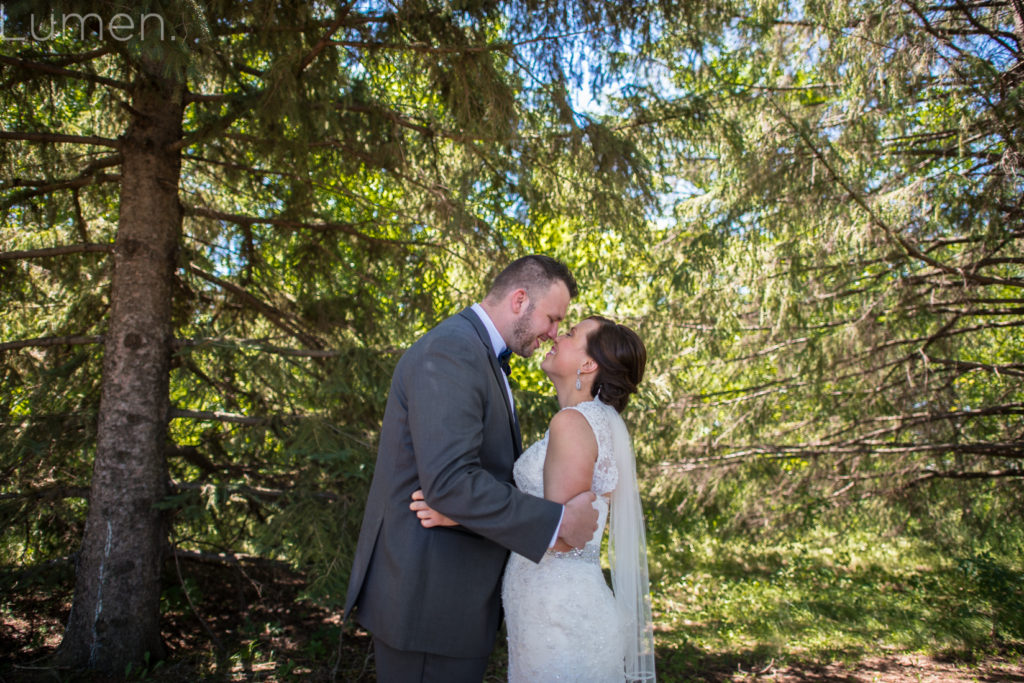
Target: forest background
x=223, y=222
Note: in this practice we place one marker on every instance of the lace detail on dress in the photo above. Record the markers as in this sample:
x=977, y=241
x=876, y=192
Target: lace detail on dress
x=529, y=471
x=562, y=621
x=606, y=473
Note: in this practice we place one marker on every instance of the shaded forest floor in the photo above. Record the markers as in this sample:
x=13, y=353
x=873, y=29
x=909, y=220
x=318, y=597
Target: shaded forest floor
x=249, y=624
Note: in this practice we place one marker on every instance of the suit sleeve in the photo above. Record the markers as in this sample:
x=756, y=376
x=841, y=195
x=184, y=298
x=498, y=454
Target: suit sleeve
x=447, y=412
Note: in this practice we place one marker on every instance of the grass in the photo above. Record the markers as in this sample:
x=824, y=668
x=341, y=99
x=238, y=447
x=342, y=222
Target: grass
x=726, y=608
x=831, y=597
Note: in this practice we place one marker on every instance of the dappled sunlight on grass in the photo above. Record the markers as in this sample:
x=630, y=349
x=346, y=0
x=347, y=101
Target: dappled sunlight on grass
x=833, y=598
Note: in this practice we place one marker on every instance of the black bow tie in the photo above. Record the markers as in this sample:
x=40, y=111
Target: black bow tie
x=503, y=361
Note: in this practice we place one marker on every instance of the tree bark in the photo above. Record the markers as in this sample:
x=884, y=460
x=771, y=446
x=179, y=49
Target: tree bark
x=115, y=614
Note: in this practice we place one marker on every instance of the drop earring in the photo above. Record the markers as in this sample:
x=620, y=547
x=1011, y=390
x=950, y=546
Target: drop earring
x=579, y=385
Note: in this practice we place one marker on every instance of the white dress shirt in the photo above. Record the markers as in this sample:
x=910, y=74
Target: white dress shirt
x=497, y=343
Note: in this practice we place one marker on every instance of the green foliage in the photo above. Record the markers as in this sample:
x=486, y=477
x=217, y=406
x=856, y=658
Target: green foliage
x=808, y=211
x=993, y=591
x=828, y=202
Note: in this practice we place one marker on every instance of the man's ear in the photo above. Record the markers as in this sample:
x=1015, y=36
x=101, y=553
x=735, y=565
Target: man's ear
x=519, y=300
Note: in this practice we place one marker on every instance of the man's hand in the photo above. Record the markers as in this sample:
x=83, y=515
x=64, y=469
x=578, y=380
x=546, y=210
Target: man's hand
x=579, y=521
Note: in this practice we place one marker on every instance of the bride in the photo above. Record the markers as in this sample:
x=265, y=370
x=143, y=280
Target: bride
x=563, y=622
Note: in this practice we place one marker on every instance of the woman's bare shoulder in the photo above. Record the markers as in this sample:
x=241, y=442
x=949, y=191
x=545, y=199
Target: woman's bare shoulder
x=571, y=426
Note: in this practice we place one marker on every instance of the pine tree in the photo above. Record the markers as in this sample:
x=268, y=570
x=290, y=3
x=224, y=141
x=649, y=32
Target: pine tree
x=250, y=207
x=849, y=227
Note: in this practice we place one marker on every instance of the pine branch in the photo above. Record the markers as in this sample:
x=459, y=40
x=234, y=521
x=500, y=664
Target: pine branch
x=240, y=106
x=787, y=383
x=84, y=179
x=58, y=71
x=245, y=222
x=48, y=493
x=954, y=474
x=981, y=301
x=59, y=138
x=42, y=342
x=281, y=319
x=259, y=494
x=245, y=104
x=945, y=332
x=81, y=226
x=325, y=40
x=403, y=121
x=911, y=249
x=228, y=31
x=69, y=58
x=1008, y=449
x=256, y=344
x=217, y=416
x=905, y=422
x=958, y=312
x=347, y=228
x=424, y=48
x=56, y=251
x=767, y=351
x=75, y=184
x=975, y=4
x=192, y=455
x=998, y=261
x=1018, y=23
x=223, y=385
x=207, y=97
x=948, y=153
x=1013, y=369
x=980, y=29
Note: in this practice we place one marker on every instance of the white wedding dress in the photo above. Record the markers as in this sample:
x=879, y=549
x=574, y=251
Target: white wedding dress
x=560, y=614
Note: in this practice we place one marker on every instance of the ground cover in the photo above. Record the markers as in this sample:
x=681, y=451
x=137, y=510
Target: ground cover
x=852, y=606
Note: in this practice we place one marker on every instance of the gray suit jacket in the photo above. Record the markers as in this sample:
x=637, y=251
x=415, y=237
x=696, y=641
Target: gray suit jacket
x=448, y=429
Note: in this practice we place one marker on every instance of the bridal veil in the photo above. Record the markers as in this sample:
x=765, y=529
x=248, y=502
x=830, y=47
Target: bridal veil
x=627, y=556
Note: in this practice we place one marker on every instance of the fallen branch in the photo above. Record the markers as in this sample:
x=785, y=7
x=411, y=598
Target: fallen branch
x=230, y=559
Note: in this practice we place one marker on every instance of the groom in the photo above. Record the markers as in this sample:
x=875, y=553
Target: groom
x=432, y=597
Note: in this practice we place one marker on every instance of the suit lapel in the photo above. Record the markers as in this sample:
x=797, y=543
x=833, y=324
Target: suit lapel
x=499, y=377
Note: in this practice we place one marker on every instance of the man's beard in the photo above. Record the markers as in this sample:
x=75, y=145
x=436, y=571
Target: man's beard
x=522, y=335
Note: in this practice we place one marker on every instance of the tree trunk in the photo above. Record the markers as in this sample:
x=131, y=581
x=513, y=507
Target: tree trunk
x=115, y=616
x=1018, y=22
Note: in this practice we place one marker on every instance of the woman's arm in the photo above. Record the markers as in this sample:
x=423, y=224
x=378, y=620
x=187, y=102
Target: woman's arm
x=428, y=516
x=568, y=468
x=569, y=463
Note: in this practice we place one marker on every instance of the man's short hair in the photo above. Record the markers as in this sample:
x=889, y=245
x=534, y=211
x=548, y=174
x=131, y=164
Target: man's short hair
x=534, y=273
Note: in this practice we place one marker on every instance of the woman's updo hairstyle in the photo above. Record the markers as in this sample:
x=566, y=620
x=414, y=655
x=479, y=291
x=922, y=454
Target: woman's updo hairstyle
x=621, y=359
